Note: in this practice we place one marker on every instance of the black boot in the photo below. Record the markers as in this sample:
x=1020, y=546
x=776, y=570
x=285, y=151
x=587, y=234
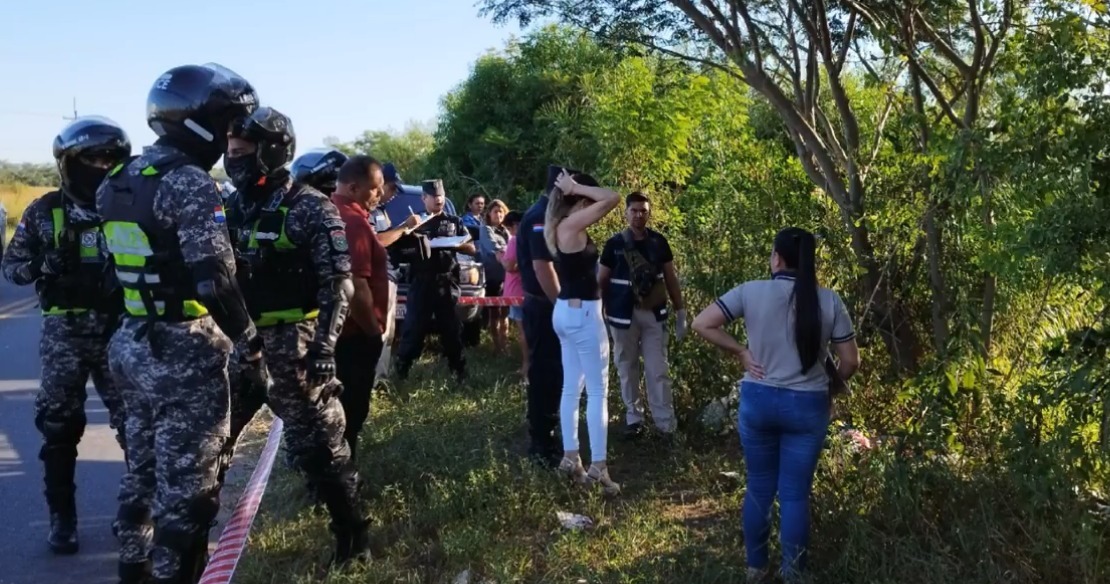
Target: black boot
x=134, y=573
x=352, y=444
x=59, y=463
x=352, y=541
x=340, y=494
x=194, y=560
x=63, y=534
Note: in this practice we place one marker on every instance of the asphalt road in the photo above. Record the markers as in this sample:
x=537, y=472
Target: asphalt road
x=24, y=520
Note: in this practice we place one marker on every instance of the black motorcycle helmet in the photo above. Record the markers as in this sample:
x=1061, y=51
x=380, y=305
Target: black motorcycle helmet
x=319, y=169
x=272, y=133
x=192, y=108
x=85, y=150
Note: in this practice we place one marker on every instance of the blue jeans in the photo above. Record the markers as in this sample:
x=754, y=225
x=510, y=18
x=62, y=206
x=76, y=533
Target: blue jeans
x=782, y=432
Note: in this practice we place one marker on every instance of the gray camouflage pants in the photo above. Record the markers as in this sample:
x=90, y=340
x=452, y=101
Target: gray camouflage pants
x=73, y=349
x=177, y=424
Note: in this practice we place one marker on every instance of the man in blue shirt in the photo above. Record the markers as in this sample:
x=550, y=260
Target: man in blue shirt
x=388, y=234
x=545, y=365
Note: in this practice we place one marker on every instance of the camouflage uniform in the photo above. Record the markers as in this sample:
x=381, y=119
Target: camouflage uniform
x=173, y=376
x=75, y=332
x=312, y=252
x=246, y=398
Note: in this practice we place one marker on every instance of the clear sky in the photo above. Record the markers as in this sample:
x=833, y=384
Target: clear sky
x=336, y=67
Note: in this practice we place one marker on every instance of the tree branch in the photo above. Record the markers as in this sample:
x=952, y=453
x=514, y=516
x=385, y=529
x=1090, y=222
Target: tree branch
x=753, y=32
x=879, y=128
x=942, y=46
x=733, y=33
x=865, y=62
x=907, y=32
x=713, y=64
x=976, y=75
x=706, y=26
x=792, y=45
x=835, y=147
x=849, y=36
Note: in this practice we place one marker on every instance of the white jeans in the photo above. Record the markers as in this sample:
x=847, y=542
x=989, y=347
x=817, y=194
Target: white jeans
x=585, y=347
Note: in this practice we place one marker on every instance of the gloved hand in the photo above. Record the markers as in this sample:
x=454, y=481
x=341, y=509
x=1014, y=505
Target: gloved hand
x=321, y=367
x=55, y=263
x=254, y=366
x=680, y=324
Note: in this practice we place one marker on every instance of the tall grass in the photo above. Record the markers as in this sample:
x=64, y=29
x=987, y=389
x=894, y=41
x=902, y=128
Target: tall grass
x=448, y=492
x=16, y=198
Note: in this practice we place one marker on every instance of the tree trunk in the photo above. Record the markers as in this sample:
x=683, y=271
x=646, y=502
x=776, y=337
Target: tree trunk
x=936, y=280
x=933, y=245
x=989, y=286
x=882, y=308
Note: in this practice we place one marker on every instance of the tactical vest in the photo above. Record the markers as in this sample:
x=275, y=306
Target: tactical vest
x=280, y=283
x=89, y=287
x=636, y=282
x=157, y=284
x=439, y=262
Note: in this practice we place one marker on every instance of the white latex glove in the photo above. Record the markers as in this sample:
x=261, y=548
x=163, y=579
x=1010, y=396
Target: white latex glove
x=680, y=324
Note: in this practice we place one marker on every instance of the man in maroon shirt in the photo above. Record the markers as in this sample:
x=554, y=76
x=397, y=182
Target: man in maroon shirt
x=359, y=188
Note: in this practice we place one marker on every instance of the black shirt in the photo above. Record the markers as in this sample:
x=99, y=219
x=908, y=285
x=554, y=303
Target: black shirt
x=654, y=247
x=530, y=245
x=578, y=273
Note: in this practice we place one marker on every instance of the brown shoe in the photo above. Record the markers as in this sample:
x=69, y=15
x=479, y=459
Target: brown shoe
x=598, y=476
x=572, y=467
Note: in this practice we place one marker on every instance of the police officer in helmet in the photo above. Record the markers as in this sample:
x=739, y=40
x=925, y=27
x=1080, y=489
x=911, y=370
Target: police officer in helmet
x=319, y=169
x=298, y=291
x=434, y=288
x=165, y=228
x=57, y=248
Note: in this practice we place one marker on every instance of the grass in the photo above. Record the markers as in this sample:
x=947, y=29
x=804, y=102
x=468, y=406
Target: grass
x=449, y=492
x=16, y=198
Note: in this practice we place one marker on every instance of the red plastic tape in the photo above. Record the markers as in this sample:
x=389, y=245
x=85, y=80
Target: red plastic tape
x=222, y=563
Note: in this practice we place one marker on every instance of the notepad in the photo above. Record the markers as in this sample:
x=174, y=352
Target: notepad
x=449, y=242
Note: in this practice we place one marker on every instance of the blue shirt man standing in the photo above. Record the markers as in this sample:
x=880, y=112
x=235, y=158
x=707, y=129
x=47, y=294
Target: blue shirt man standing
x=545, y=366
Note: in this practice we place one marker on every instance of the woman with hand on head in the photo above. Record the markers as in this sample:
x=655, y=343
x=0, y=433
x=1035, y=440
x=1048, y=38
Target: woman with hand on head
x=576, y=203
x=784, y=396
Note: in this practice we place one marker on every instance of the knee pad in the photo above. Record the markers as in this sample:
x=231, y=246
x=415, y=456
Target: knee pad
x=313, y=463
x=204, y=508
x=132, y=516
x=58, y=430
x=183, y=533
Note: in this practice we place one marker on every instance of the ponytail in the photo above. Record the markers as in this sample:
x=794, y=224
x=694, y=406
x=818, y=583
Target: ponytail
x=797, y=248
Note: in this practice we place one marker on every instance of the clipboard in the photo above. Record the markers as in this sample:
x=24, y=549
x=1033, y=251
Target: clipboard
x=449, y=242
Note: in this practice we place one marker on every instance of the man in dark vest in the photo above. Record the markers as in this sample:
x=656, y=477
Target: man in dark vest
x=164, y=225
x=58, y=248
x=298, y=290
x=637, y=274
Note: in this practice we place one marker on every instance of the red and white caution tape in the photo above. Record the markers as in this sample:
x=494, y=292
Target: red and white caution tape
x=483, y=301
x=222, y=563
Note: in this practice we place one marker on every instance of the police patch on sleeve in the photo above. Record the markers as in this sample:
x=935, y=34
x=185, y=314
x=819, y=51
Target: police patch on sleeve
x=88, y=238
x=339, y=240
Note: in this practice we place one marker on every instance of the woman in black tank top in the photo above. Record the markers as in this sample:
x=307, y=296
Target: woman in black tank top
x=578, y=273
x=576, y=203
